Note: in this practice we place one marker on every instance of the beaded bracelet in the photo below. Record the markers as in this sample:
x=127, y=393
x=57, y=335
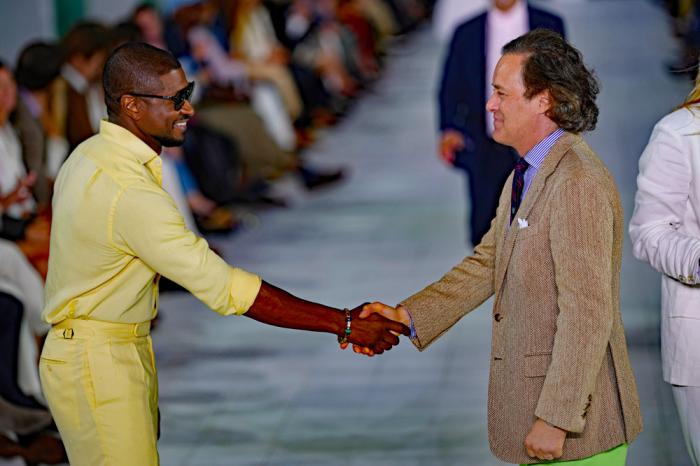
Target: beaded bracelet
x=342, y=339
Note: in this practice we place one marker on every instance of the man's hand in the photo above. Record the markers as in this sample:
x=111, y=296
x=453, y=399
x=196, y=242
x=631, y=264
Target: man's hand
x=399, y=314
x=274, y=306
x=545, y=442
x=451, y=142
x=374, y=331
x=21, y=191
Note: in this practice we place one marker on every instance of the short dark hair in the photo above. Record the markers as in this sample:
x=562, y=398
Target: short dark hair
x=85, y=38
x=39, y=63
x=554, y=65
x=134, y=67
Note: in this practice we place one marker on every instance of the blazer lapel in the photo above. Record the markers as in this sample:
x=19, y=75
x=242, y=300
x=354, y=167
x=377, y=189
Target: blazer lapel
x=538, y=183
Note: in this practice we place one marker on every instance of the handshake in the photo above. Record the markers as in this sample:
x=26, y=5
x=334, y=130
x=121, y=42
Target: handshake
x=375, y=328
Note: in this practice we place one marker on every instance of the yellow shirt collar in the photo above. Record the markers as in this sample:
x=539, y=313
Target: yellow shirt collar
x=123, y=137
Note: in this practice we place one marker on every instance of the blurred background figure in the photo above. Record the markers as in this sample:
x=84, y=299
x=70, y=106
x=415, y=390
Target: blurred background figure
x=465, y=126
x=684, y=16
x=15, y=182
x=78, y=103
x=449, y=14
x=21, y=220
x=43, y=147
x=26, y=426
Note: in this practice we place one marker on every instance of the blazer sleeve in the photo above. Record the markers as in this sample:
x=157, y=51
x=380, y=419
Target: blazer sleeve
x=581, y=241
x=438, y=307
x=661, y=202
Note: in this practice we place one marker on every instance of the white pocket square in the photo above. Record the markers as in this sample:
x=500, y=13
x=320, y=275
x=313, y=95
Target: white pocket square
x=522, y=223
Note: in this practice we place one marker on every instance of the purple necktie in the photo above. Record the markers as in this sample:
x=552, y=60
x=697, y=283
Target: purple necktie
x=518, y=183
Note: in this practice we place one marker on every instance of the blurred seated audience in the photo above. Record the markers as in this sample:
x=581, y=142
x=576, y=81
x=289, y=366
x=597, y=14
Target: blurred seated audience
x=15, y=183
x=319, y=42
x=201, y=213
x=227, y=108
x=43, y=147
x=78, y=104
x=20, y=221
x=25, y=422
x=254, y=41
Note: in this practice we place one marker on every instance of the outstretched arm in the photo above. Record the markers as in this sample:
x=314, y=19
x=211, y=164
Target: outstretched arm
x=275, y=306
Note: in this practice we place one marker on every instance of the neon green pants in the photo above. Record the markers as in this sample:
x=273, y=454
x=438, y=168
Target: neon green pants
x=614, y=457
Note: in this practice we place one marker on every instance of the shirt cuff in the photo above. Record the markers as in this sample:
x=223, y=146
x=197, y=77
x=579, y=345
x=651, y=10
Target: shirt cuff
x=412, y=327
x=244, y=289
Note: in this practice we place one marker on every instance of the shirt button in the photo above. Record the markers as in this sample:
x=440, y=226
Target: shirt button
x=498, y=317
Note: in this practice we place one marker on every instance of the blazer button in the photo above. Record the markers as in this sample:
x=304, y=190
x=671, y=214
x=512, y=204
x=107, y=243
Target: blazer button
x=498, y=317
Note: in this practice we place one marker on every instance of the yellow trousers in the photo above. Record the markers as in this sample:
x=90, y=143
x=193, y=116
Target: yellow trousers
x=100, y=382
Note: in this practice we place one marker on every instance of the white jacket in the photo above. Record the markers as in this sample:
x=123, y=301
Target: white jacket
x=665, y=232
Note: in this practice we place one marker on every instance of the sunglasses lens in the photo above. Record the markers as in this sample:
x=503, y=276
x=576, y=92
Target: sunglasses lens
x=183, y=95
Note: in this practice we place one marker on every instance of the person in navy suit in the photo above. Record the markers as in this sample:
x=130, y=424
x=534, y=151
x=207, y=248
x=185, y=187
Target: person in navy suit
x=465, y=128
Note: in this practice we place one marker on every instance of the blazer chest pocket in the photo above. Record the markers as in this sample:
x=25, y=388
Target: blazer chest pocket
x=537, y=365
x=526, y=232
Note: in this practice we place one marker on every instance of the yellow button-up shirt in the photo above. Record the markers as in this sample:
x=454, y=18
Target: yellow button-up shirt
x=115, y=230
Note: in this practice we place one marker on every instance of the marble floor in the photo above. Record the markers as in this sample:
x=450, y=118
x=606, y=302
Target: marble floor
x=234, y=392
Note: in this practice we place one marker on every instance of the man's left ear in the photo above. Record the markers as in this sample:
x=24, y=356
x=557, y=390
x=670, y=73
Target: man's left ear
x=130, y=106
x=545, y=101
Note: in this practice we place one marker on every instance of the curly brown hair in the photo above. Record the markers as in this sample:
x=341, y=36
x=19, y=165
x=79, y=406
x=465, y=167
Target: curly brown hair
x=556, y=66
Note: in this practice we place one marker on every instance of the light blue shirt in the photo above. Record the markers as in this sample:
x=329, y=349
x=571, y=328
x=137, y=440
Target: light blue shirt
x=536, y=156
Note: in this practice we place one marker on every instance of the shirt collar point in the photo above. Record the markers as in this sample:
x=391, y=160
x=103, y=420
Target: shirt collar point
x=125, y=138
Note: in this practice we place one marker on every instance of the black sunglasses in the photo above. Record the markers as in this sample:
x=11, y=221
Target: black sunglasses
x=178, y=99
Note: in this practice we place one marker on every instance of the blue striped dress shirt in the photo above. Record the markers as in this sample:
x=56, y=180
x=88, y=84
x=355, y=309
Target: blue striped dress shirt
x=536, y=156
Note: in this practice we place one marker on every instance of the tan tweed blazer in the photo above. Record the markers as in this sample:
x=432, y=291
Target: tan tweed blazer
x=558, y=348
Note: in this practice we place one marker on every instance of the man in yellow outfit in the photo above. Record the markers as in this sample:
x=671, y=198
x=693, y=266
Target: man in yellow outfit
x=115, y=231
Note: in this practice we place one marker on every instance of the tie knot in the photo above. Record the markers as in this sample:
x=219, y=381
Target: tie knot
x=521, y=165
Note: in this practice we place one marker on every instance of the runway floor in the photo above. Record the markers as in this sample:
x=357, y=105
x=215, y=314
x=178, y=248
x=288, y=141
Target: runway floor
x=234, y=392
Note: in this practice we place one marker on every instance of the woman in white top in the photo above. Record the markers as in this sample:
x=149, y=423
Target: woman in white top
x=665, y=232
